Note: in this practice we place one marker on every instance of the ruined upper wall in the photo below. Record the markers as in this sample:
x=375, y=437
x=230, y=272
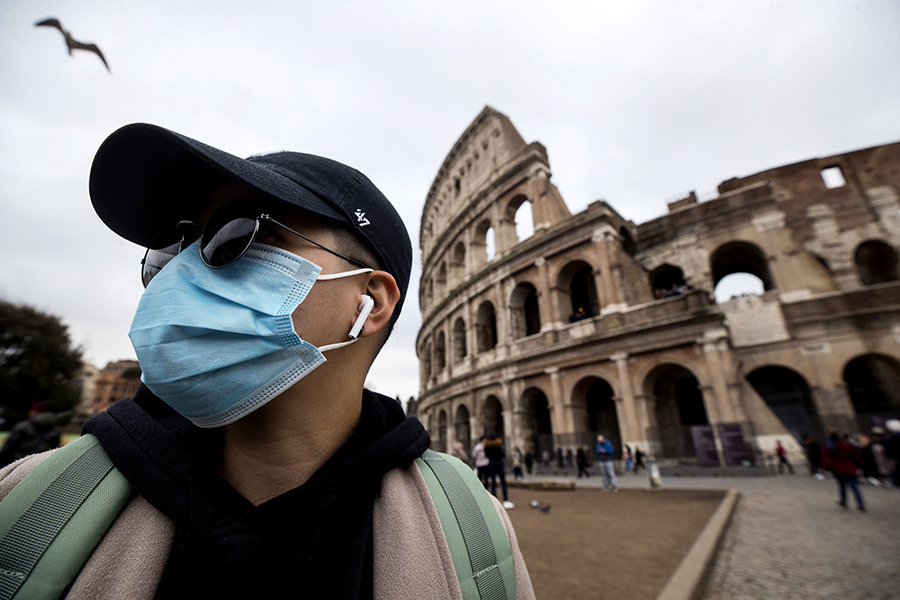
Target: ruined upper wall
x=488, y=143
x=845, y=185
x=489, y=155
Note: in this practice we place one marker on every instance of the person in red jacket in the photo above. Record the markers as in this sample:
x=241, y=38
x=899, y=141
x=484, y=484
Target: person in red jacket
x=842, y=459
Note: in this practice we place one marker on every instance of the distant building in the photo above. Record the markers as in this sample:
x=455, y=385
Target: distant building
x=594, y=324
x=117, y=380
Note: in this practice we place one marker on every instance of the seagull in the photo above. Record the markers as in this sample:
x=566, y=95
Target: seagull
x=71, y=42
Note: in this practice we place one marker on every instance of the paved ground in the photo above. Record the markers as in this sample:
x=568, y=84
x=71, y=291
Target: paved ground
x=789, y=539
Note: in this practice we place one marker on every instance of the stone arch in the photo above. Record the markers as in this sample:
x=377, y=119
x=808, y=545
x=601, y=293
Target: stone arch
x=876, y=262
x=787, y=393
x=740, y=258
x=428, y=294
x=576, y=280
x=440, y=352
x=678, y=406
x=484, y=245
x=525, y=311
x=485, y=327
x=873, y=383
x=519, y=212
x=492, y=417
x=597, y=412
x=440, y=281
x=458, y=263
x=459, y=340
x=535, y=423
x=426, y=359
x=666, y=280
x=462, y=424
x=440, y=444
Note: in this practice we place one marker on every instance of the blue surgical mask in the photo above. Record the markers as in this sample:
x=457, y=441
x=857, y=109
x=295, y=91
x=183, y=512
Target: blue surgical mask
x=216, y=344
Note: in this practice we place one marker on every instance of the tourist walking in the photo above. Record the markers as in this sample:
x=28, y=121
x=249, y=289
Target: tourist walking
x=459, y=451
x=493, y=448
x=581, y=459
x=517, y=464
x=782, y=458
x=605, y=451
x=638, y=460
x=480, y=462
x=813, y=456
x=842, y=459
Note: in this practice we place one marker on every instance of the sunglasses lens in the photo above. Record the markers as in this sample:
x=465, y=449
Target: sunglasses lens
x=225, y=240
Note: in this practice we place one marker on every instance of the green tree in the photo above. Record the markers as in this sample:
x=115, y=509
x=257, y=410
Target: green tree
x=37, y=362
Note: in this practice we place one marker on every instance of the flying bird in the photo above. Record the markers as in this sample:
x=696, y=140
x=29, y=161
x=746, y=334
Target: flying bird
x=71, y=42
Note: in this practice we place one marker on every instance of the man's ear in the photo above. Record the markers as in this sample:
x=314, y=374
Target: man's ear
x=382, y=288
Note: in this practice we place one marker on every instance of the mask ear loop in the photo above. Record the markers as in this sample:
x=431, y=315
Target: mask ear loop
x=364, y=308
x=343, y=274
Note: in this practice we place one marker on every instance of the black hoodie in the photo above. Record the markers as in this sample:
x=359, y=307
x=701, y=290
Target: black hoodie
x=314, y=541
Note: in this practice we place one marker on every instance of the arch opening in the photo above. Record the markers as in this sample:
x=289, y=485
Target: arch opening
x=742, y=258
x=876, y=262
x=519, y=212
x=525, y=311
x=459, y=340
x=873, y=382
x=679, y=406
x=458, y=263
x=578, y=279
x=440, y=356
x=788, y=395
x=463, y=425
x=600, y=416
x=486, y=327
x=667, y=280
x=536, y=425
x=492, y=417
x=440, y=445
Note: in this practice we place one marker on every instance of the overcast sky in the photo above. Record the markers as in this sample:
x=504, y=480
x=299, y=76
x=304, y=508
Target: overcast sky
x=637, y=103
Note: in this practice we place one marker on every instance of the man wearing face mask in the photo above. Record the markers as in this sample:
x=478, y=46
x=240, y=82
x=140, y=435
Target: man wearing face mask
x=260, y=466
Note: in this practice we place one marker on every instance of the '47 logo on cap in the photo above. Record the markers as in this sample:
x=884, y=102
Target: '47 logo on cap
x=361, y=218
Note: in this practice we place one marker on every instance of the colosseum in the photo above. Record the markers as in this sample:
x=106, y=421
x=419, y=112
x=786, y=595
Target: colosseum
x=595, y=324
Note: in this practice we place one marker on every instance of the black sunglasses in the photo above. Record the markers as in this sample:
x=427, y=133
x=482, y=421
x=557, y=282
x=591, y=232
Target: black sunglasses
x=225, y=238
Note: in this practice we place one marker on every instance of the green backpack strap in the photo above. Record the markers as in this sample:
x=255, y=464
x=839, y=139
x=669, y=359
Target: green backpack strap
x=55, y=517
x=475, y=534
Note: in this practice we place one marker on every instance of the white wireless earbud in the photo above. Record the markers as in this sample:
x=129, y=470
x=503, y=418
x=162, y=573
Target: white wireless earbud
x=364, y=308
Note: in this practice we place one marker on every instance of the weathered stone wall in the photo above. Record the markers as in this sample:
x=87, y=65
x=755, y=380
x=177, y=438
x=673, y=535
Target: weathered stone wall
x=597, y=325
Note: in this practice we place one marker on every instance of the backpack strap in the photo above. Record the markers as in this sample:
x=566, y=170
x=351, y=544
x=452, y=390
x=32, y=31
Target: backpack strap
x=478, y=543
x=55, y=517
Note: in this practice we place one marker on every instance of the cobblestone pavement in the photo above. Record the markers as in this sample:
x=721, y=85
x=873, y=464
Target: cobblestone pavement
x=789, y=540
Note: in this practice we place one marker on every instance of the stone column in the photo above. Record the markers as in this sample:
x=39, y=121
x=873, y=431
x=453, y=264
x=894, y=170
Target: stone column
x=718, y=400
x=603, y=240
x=626, y=410
x=646, y=419
x=451, y=427
x=548, y=303
x=557, y=402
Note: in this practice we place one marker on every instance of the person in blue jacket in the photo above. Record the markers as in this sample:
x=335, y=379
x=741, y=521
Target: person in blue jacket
x=604, y=451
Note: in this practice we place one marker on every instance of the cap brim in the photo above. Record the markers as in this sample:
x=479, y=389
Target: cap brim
x=145, y=177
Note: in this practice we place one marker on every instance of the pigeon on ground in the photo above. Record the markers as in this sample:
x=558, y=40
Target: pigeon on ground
x=71, y=42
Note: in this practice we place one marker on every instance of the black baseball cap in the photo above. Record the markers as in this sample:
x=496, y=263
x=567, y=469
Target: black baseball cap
x=145, y=177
